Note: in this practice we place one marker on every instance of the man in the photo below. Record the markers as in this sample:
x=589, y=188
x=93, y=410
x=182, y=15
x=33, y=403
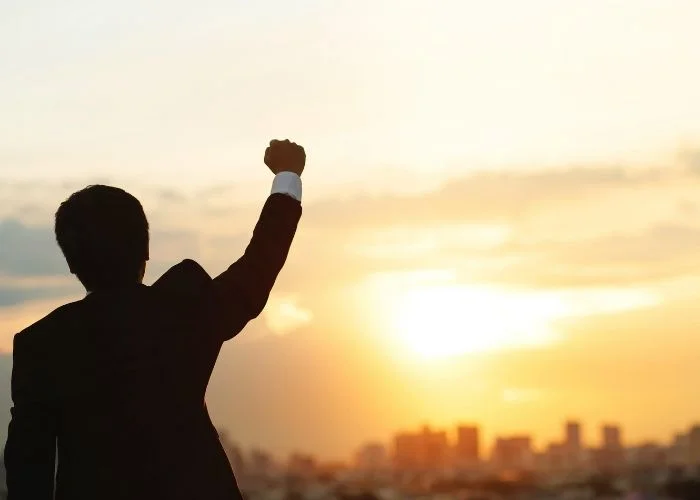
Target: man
x=113, y=385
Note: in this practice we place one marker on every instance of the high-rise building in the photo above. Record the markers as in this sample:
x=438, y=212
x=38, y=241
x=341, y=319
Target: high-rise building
x=467, y=448
x=679, y=451
x=573, y=435
x=407, y=451
x=612, y=437
x=572, y=447
x=436, y=448
x=610, y=458
x=421, y=450
x=694, y=446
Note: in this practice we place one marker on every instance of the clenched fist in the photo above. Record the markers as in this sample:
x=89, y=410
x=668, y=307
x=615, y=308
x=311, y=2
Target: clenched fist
x=285, y=156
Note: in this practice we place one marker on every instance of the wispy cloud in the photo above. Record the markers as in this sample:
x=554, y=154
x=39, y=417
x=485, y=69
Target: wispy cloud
x=283, y=315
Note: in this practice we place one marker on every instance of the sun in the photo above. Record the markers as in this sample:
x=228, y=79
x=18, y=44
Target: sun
x=445, y=320
x=427, y=314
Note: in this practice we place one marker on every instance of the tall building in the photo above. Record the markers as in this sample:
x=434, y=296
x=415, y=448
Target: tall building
x=573, y=435
x=407, y=451
x=610, y=458
x=694, y=446
x=572, y=447
x=612, y=437
x=679, y=451
x=467, y=449
x=436, y=448
x=422, y=450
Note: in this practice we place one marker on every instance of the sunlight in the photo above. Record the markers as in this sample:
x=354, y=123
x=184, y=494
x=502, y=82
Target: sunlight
x=439, y=321
x=430, y=315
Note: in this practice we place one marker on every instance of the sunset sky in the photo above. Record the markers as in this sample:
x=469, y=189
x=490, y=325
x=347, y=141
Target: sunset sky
x=501, y=202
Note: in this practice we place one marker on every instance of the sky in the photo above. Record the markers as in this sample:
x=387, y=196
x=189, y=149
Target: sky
x=500, y=201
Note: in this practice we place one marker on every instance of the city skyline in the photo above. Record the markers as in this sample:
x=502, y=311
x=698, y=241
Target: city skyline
x=609, y=436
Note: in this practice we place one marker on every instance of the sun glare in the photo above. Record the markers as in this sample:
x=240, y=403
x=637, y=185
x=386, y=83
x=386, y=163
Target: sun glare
x=430, y=315
x=440, y=321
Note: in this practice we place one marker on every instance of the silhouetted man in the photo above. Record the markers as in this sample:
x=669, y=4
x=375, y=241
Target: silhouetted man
x=116, y=381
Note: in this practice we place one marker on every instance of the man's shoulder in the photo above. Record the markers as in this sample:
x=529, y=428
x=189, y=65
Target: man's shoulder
x=185, y=276
x=42, y=330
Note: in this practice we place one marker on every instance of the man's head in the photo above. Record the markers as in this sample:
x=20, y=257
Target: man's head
x=103, y=233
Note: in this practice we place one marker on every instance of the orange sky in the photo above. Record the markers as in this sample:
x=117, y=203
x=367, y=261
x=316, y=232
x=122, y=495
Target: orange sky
x=501, y=217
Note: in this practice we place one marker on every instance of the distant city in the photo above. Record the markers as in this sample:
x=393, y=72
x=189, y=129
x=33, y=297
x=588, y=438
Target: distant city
x=427, y=461
x=431, y=449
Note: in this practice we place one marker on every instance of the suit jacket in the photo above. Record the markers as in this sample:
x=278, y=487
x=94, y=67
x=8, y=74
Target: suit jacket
x=115, y=383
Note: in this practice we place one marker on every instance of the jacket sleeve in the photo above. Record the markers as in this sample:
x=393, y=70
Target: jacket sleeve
x=240, y=293
x=30, y=451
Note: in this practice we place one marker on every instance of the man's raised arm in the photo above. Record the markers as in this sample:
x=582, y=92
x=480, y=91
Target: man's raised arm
x=241, y=292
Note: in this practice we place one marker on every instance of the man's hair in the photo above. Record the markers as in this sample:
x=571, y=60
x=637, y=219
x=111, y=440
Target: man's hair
x=103, y=233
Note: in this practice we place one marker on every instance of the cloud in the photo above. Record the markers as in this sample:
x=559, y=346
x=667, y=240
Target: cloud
x=16, y=290
x=560, y=227
x=482, y=197
x=28, y=250
x=582, y=226
x=661, y=252
x=10, y=296
x=283, y=315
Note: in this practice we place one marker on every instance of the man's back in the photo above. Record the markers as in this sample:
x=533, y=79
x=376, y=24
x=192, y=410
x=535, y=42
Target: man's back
x=118, y=379
x=130, y=369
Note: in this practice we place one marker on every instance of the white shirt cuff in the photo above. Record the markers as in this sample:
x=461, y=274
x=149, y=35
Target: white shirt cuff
x=287, y=183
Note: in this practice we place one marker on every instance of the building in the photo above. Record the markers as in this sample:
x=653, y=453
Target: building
x=649, y=456
x=436, y=449
x=513, y=453
x=407, y=451
x=612, y=437
x=679, y=451
x=610, y=457
x=573, y=446
x=467, y=448
x=573, y=435
x=554, y=459
x=422, y=450
x=694, y=446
